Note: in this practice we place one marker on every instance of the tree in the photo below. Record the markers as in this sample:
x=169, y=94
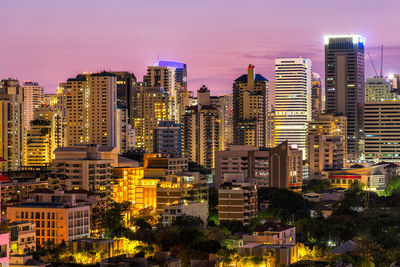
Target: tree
x=317, y=185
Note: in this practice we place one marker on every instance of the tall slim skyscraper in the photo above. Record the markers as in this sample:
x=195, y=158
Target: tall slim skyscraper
x=292, y=101
x=91, y=109
x=316, y=95
x=127, y=93
x=11, y=125
x=201, y=130
x=33, y=99
x=250, y=103
x=344, y=83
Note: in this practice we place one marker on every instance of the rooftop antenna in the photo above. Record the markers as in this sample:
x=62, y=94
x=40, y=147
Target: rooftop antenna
x=381, y=75
x=376, y=73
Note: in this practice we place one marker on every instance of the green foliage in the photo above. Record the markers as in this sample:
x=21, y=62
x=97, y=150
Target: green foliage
x=392, y=186
x=317, y=185
x=284, y=204
x=232, y=225
x=112, y=221
x=187, y=221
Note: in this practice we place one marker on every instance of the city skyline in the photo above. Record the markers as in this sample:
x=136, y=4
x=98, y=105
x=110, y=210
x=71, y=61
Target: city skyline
x=48, y=42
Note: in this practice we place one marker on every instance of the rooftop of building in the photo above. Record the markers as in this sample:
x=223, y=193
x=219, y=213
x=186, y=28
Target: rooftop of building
x=93, y=240
x=83, y=147
x=173, y=64
x=257, y=78
x=19, y=223
x=272, y=227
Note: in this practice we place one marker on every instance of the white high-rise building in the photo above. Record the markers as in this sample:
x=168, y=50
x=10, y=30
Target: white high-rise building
x=33, y=99
x=293, y=81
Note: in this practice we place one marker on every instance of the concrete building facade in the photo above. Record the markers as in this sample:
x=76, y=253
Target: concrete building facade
x=344, y=85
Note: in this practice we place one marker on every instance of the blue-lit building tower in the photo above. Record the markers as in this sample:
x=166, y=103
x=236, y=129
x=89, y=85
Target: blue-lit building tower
x=180, y=73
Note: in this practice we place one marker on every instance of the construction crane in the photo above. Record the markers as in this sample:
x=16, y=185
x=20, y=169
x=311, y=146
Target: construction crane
x=376, y=73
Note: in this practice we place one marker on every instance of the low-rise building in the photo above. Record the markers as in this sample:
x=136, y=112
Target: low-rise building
x=22, y=237
x=195, y=209
x=112, y=247
x=87, y=167
x=181, y=187
x=57, y=217
x=26, y=261
x=275, y=233
x=237, y=199
x=156, y=165
x=285, y=254
x=371, y=178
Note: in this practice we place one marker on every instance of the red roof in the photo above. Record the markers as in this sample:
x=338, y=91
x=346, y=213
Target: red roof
x=3, y=178
x=2, y=160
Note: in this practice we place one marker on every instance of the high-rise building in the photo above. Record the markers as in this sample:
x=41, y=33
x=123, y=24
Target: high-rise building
x=168, y=139
x=33, y=99
x=11, y=125
x=45, y=135
x=250, y=104
x=180, y=72
x=327, y=143
x=344, y=85
x=125, y=132
x=316, y=95
x=87, y=167
x=152, y=108
x=395, y=80
x=280, y=166
x=165, y=78
x=292, y=101
x=382, y=120
x=185, y=98
x=325, y=152
x=127, y=93
x=91, y=109
x=201, y=130
x=378, y=89
x=226, y=110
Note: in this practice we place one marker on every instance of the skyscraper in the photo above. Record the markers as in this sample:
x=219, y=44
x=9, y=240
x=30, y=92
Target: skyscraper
x=316, y=95
x=45, y=135
x=292, y=101
x=344, y=83
x=11, y=125
x=152, y=108
x=127, y=93
x=164, y=77
x=250, y=103
x=33, y=99
x=201, y=130
x=180, y=72
x=91, y=109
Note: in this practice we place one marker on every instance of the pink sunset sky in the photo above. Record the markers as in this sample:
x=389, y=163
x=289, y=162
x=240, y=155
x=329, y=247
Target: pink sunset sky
x=49, y=41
